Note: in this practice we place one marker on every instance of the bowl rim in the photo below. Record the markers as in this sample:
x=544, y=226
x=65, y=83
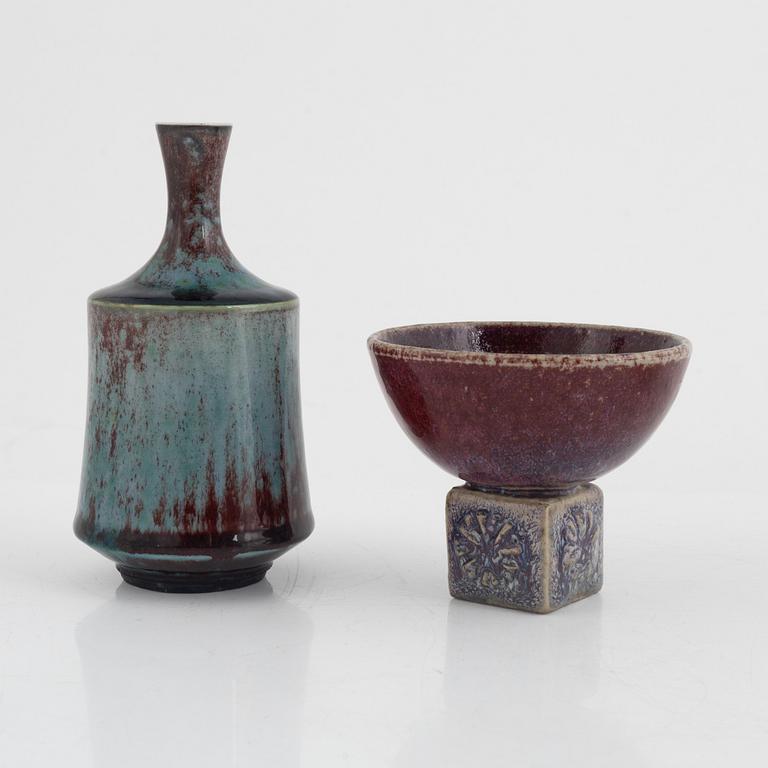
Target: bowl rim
x=680, y=350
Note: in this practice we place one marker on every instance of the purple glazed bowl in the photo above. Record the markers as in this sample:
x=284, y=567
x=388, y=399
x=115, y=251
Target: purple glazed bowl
x=528, y=406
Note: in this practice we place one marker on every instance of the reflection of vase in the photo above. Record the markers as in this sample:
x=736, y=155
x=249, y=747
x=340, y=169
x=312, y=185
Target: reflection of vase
x=185, y=690
x=193, y=476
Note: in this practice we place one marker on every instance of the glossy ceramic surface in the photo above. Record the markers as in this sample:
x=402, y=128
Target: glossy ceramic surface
x=193, y=263
x=193, y=475
x=528, y=406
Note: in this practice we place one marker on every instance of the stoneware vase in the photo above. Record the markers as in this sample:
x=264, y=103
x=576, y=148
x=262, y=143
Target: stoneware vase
x=527, y=415
x=193, y=475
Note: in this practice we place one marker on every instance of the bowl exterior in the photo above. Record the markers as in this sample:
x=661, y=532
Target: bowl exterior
x=527, y=424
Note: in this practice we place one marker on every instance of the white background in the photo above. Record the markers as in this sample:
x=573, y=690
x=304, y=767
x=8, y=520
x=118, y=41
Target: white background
x=396, y=162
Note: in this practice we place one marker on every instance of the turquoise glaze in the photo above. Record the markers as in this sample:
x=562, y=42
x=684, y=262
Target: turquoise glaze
x=193, y=474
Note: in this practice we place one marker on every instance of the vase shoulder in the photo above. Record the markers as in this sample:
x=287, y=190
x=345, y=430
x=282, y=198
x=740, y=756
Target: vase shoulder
x=248, y=289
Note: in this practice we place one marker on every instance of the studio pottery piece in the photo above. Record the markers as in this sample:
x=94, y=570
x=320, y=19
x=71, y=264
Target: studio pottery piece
x=193, y=474
x=527, y=415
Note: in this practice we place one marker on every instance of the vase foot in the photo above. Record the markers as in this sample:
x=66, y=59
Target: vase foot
x=189, y=583
x=531, y=553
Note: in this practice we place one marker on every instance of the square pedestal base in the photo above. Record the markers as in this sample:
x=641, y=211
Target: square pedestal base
x=531, y=553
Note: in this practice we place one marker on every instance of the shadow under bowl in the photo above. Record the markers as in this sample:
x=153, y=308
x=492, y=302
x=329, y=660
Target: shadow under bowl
x=528, y=406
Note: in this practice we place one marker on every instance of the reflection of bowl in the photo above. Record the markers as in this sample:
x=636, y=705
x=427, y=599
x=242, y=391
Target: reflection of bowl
x=528, y=405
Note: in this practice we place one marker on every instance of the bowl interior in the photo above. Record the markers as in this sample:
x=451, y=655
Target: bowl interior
x=529, y=338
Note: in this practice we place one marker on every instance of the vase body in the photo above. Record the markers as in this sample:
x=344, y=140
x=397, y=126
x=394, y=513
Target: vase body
x=193, y=474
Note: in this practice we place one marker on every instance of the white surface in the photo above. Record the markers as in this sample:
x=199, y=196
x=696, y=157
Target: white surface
x=396, y=162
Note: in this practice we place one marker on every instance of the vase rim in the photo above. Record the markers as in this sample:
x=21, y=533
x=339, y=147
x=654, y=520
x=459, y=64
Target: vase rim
x=207, y=126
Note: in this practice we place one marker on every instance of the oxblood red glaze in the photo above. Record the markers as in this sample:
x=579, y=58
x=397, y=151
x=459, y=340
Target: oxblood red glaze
x=528, y=405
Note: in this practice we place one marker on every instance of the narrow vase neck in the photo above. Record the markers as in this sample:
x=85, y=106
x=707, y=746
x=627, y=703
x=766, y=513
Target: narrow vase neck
x=193, y=264
x=194, y=162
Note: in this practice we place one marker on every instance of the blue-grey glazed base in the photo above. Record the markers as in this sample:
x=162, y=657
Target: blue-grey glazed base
x=194, y=461
x=530, y=553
